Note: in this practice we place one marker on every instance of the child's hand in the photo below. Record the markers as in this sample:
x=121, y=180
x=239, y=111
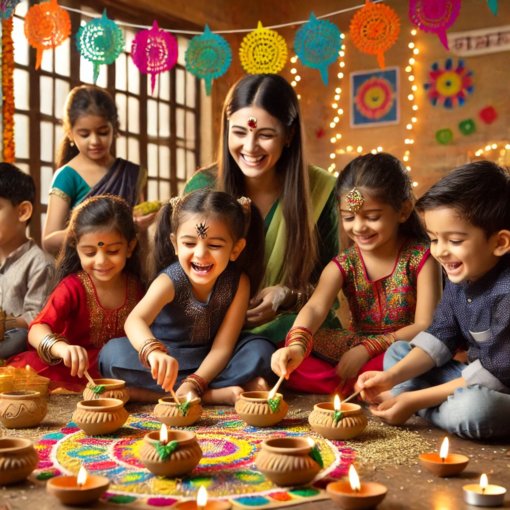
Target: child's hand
x=74, y=356
x=164, y=369
x=396, y=410
x=373, y=383
x=284, y=361
x=351, y=362
x=184, y=389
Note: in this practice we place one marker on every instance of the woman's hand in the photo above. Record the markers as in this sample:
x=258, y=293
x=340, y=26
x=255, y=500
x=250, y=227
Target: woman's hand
x=74, y=357
x=186, y=388
x=144, y=222
x=261, y=307
x=164, y=369
x=285, y=360
x=351, y=362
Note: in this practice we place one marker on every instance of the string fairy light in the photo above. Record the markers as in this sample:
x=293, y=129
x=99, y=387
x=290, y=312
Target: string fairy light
x=411, y=98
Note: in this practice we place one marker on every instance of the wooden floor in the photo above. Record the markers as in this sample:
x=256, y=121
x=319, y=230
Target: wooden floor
x=408, y=487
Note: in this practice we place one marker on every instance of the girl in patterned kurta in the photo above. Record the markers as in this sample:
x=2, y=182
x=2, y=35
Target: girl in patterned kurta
x=187, y=327
x=99, y=274
x=390, y=282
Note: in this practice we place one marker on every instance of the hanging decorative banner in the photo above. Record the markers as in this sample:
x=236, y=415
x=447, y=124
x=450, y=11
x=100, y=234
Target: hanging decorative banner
x=7, y=8
x=434, y=16
x=8, y=91
x=493, y=6
x=263, y=51
x=154, y=51
x=317, y=45
x=449, y=85
x=488, y=114
x=208, y=57
x=47, y=26
x=444, y=136
x=100, y=41
x=467, y=127
x=374, y=30
x=480, y=41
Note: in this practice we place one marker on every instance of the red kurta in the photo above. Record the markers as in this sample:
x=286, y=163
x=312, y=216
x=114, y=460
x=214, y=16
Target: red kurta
x=74, y=311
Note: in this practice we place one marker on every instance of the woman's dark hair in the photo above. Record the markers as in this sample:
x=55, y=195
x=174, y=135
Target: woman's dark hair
x=81, y=101
x=479, y=192
x=225, y=208
x=104, y=213
x=275, y=95
x=386, y=179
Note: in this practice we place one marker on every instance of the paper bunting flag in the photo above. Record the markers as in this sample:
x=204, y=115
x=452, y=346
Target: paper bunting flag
x=263, y=51
x=7, y=8
x=47, y=26
x=154, y=51
x=374, y=29
x=449, y=85
x=317, y=44
x=434, y=16
x=467, y=127
x=488, y=114
x=208, y=57
x=101, y=41
x=444, y=136
x=493, y=6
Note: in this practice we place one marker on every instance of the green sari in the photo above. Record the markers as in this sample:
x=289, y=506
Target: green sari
x=326, y=218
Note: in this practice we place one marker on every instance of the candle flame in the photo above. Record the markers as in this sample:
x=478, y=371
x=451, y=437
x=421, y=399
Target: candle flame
x=444, y=450
x=338, y=404
x=82, y=476
x=484, y=481
x=202, y=497
x=354, y=479
x=310, y=442
x=271, y=395
x=189, y=396
x=163, y=434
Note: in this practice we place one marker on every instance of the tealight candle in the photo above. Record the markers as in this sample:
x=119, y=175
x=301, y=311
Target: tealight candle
x=202, y=503
x=80, y=490
x=484, y=494
x=353, y=495
x=444, y=463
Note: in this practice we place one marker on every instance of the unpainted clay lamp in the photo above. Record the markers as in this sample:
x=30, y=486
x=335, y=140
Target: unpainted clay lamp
x=202, y=503
x=444, y=464
x=484, y=494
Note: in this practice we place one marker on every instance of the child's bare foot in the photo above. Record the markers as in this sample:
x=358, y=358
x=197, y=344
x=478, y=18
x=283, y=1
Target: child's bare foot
x=222, y=396
x=145, y=396
x=257, y=384
x=382, y=397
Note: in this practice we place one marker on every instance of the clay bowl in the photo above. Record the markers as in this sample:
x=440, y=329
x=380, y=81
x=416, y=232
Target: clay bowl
x=166, y=412
x=18, y=459
x=113, y=388
x=352, y=423
x=286, y=461
x=103, y=416
x=182, y=461
x=21, y=409
x=253, y=408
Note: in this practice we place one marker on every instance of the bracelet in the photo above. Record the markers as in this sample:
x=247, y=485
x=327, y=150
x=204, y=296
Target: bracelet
x=149, y=346
x=45, y=346
x=377, y=344
x=198, y=382
x=302, y=337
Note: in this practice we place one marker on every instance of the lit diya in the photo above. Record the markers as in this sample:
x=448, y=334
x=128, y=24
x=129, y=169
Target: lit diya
x=484, y=494
x=182, y=414
x=353, y=495
x=262, y=408
x=444, y=463
x=203, y=503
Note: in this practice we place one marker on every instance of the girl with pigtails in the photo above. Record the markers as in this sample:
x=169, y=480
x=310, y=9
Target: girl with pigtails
x=185, y=332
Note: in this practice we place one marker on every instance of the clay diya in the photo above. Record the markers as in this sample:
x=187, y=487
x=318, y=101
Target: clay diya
x=353, y=495
x=261, y=408
x=288, y=461
x=338, y=421
x=18, y=459
x=107, y=388
x=21, y=409
x=443, y=463
x=484, y=494
x=80, y=490
x=103, y=416
x=182, y=415
x=202, y=503
x=170, y=453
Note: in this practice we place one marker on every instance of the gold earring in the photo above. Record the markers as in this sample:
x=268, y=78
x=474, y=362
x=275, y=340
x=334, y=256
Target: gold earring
x=72, y=143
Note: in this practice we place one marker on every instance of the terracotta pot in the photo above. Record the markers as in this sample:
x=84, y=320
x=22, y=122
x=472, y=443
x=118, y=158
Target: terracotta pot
x=166, y=412
x=286, y=461
x=113, y=388
x=18, y=459
x=103, y=416
x=352, y=423
x=182, y=461
x=21, y=409
x=254, y=409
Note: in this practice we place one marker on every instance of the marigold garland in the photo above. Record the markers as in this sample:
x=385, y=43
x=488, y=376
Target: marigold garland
x=8, y=90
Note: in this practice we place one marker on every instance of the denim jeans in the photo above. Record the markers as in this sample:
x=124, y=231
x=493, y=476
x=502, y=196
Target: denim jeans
x=473, y=412
x=14, y=342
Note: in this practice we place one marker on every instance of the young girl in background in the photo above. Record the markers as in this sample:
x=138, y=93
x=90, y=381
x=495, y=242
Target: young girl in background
x=391, y=284
x=186, y=328
x=86, y=167
x=99, y=275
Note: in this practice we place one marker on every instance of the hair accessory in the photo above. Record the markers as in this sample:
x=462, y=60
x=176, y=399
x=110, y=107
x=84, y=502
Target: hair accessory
x=100, y=244
x=355, y=200
x=202, y=230
x=175, y=201
x=245, y=203
x=252, y=122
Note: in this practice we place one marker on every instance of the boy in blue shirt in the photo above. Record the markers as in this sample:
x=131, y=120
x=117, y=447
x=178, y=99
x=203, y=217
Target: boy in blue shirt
x=467, y=215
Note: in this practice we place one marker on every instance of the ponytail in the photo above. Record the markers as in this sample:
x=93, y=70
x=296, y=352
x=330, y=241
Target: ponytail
x=66, y=152
x=164, y=251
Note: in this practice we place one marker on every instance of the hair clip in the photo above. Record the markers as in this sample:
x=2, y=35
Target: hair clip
x=202, y=230
x=252, y=122
x=355, y=200
x=245, y=203
x=175, y=201
x=100, y=244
